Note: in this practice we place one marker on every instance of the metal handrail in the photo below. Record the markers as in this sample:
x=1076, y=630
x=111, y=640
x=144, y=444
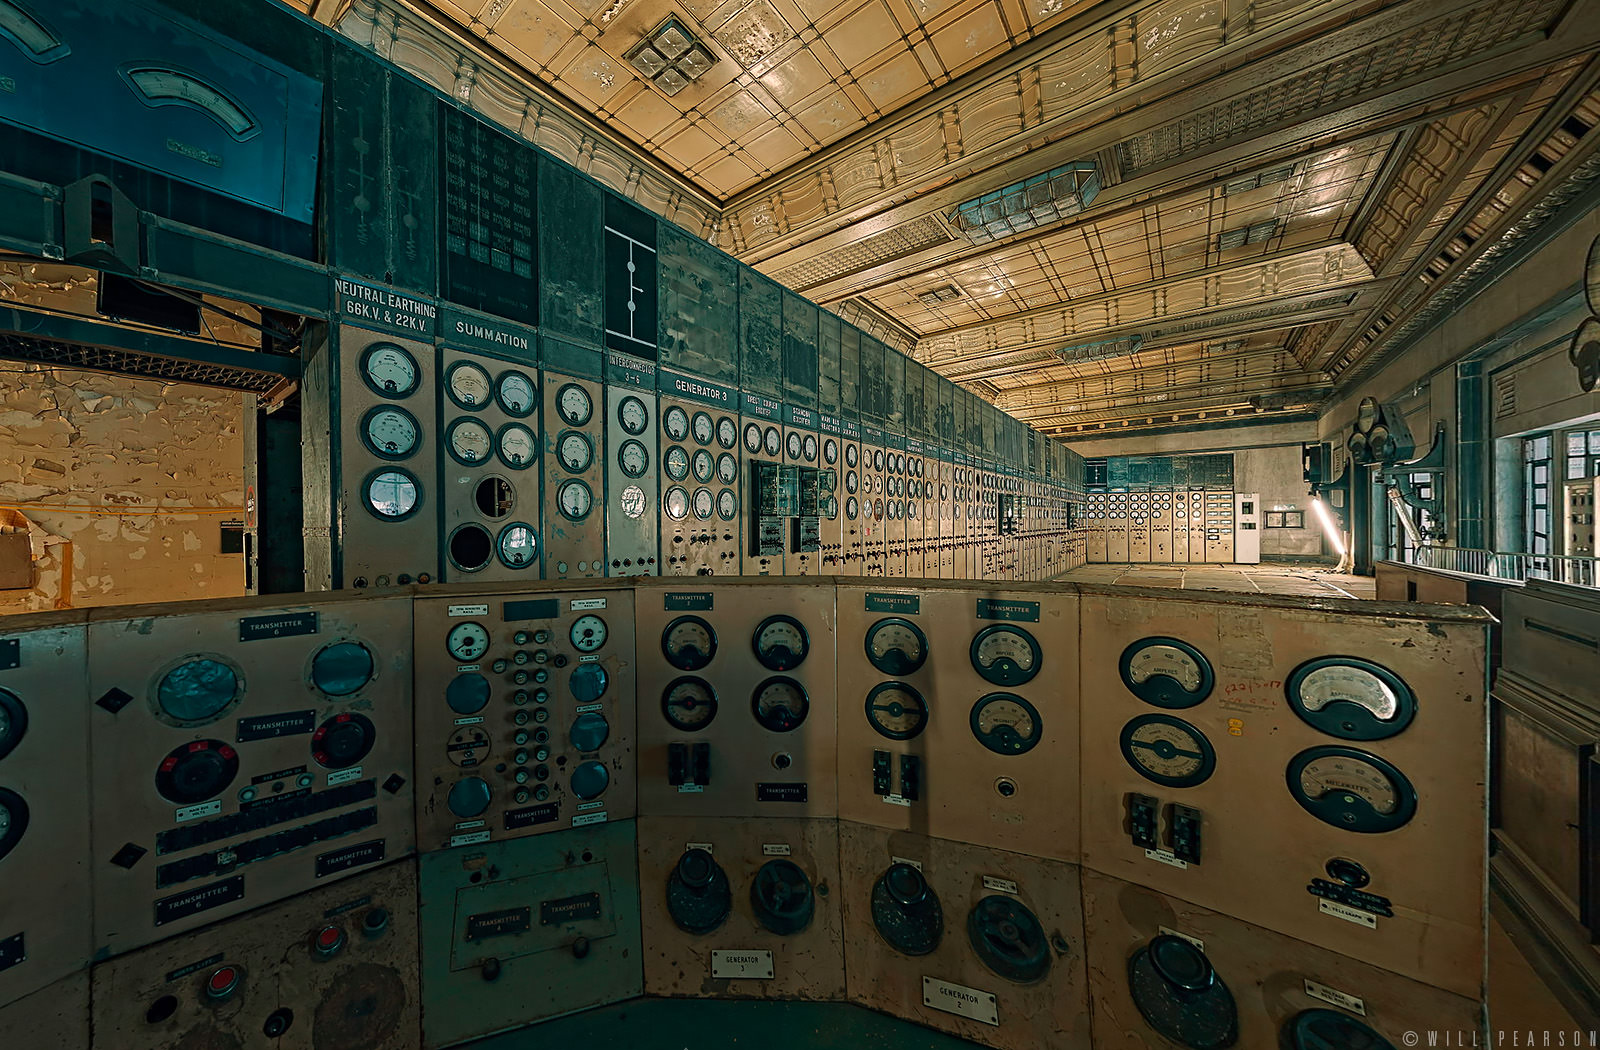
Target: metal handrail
x=1507, y=565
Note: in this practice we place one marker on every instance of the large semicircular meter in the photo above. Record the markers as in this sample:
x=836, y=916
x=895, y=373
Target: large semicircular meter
x=1351, y=789
x=780, y=704
x=781, y=643
x=896, y=646
x=1168, y=750
x=1006, y=724
x=689, y=643
x=1179, y=995
x=896, y=710
x=1320, y=1029
x=1005, y=655
x=1351, y=698
x=13, y=721
x=1008, y=938
x=1166, y=672
x=906, y=911
x=689, y=703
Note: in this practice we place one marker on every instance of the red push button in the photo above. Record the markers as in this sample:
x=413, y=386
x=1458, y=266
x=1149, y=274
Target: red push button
x=328, y=941
x=223, y=982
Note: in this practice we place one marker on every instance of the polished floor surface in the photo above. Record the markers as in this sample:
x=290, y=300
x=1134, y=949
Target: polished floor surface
x=1270, y=578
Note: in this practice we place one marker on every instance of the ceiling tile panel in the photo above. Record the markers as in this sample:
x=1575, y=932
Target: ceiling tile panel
x=794, y=81
x=863, y=34
x=972, y=39
x=895, y=82
x=532, y=32
x=830, y=116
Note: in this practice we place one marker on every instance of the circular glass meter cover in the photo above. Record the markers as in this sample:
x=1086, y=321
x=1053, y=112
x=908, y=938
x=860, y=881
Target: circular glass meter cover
x=896, y=710
x=1166, y=672
x=390, y=432
x=781, y=643
x=633, y=458
x=689, y=703
x=689, y=643
x=515, y=392
x=1168, y=750
x=675, y=421
x=1351, y=698
x=727, y=505
x=575, y=452
x=516, y=446
x=574, y=405
x=467, y=384
x=588, y=633
x=792, y=445
x=702, y=428
x=467, y=641
x=198, y=690
x=391, y=495
x=1005, y=655
x=1350, y=789
x=575, y=499
x=676, y=503
x=896, y=646
x=727, y=432
x=342, y=668
x=1006, y=724
x=469, y=442
x=518, y=545
x=389, y=370
x=780, y=704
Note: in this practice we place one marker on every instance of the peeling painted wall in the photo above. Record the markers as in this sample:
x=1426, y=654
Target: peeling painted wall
x=129, y=479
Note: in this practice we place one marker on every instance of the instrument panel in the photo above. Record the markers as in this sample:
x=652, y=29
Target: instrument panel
x=575, y=468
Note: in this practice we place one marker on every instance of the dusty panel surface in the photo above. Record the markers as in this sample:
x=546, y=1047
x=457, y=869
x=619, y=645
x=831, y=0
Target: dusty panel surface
x=53, y=1018
x=243, y=754
x=1539, y=767
x=941, y=778
x=44, y=800
x=524, y=722
x=767, y=743
x=1549, y=639
x=806, y=963
x=1269, y=978
x=515, y=932
x=574, y=463
x=1050, y=1008
x=1231, y=759
x=334, y=969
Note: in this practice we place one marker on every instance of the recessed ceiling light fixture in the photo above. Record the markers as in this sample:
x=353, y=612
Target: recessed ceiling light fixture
x=1122, y=346
x=945, y=293
x=670, y=57
x=1039, y=201
x=1253, y=234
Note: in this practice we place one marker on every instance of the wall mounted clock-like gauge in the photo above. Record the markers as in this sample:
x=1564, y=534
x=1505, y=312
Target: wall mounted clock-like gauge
x=676, y=463
x=1166, y=672
x=830, y=451
x=574, y=405
x=517, y=545
x=633, y=458
x=704, y=504
x=1351, y=789
x=1005, y=655
x=689, y=643
x=588, y=633
x=633, y=415
x=702, y=428
x=896, y=646
x=516, y=446
x=1168, y=751
x=13, y=721
x=704, y=466
x=515, y=391
x=575, y=452
x=772, y=441
x=727, y=432
x=810, y=448
x=752, y=438
x=390, y=432
x=575, y=499
x=675, y=423
x=468, y=385
x=727, y=469
x=389, y=370
x=852, y=455
x=689, y=704
x=1350, y=698
x=1006, y=724
x=780, y=704
x=676, y=503
x=896, y=710
x=467, y=641
x=391, y=494
x=727, y=505
x=780, y=643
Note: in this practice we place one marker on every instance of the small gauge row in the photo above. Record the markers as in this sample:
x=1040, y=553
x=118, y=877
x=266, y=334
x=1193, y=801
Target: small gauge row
x=677, y=462
x=780, y=643
x=198, y=689
x=471, y=548
x=469, y=386
x=1003, y=654
x=677, y=425
x=1005, y=723
x=780, y=704
x=469, y=640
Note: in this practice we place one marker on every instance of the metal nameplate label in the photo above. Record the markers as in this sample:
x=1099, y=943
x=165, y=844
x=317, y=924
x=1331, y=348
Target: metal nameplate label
x=776, y=849
x=1352, y=915
x=781, y=792
x=499, y=923
x=584, y=807
x=1166, y=857
x=999, y=885
x=195, y=967
x=741, y=965
x=1017, y=612
x=674, y=601
x=11, y=653
x=1351, y=897
x=286, y=625
x=277, y=774
x=349, y=857
x=897, y=800
x=1336, y=997
x=468, y=825
x=347, y=907
x=204, y=809
x=265, y=727
x=193, y=902
x=960, y=1000
x=471, y=720
x=581, y=604
x=467, y=610
x=517, y=819
x=471, y=839
x=1170, y=932
x=569, y=909
x=584, y=709
x=344, y=775
x=906, y=860
x=687, y=846
x=691, y=789
x=583, y=820
x=907, y=604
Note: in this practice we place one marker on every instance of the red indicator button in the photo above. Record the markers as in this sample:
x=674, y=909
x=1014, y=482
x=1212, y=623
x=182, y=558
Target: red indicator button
x=328, y=941
x=223, y=982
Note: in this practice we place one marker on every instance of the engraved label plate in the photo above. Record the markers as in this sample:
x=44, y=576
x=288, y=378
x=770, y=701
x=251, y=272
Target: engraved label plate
x=748, y=964
x=960, y=1000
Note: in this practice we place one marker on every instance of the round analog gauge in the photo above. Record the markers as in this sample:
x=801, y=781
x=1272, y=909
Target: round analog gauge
x=688, y=643
x=1005, y=655
x=676, y=503
x=877, y=508
x=633, y=458
x=1168, y=750
x=1006, y=724
x=704, y=504
x=896, y=646
x=340, y=668
x=752, y=438
x=468, y=385
x=574, y=405
x=13, y=820
x=877, y=459
x=852, y=481
x=392, y=494
x=676, y=463
x=727, y=505
x=514, y=390
x=197, y=690
x=575, y=500
x=830, y=507
x=576, y=454
x=896, y=710
x=1351, y=789
x=811, y=448
x=13, y=721
x=389, y=370
x=781, y=643
x=467, y=641
x=588, y=633
x=727, y=432
x=830, y=451
x=852, y=455
x=675, y=423
x=689, y=704
x=469, y=442
x=634, y=502
x=780, y=704
x=516, y=446
x=633, y=416
x=1166, y=672
x=390, y=432
x=518, y=545
x=772, y=441
x=852, y=508
x=727, y=469
x=894, y=510
x=704, y=466
x=911, y=509
x=1351, y=698
x=702, y=428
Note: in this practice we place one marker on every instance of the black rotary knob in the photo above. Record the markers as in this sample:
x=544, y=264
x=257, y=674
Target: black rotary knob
x=343, y=740
x=1181, y=964
x=1181, y=996
x=698, y=896
x=196, y=771
x=782, y=898
x=905, y=884
x=906, y=911
x=1009, y=939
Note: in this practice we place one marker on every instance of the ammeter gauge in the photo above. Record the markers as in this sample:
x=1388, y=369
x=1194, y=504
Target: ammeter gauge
x=1005, y=655
x=1351, y=698
x=389, y=370
x=469, y=442
x=689, y=704
x=515, y=392
x=633, y=458
x=689, y=643
x=390, y=432
x=575, y=452
x=588, y=633
x=675, y=423
x=702, y=428
x=1168, y=750
x=781, y=643
x=467, y=641
x=676, y=463
x=633, y=416
x=575, y=499
x=574, y=405
x=780, y=704
x=468, y=385
x=727, y=432
x=516, y=446
x=896, y=646
x=1166, y=672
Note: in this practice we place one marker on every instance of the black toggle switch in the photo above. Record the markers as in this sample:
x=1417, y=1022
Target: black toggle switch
x=677, y=764
x=881, y=784
x=1142, y=820
x=910, y=777
x=700, y=764
x=1185, y=828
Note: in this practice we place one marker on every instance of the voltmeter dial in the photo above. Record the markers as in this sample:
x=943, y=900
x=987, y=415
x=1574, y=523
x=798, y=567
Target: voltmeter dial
x=1006, y=724
x=727, y=504
x=467, y=641
x=781, y=643
x=675, y=422
x=588, y=633
x=727, y=469
x=469, y=442
x=689, y=704
x=852, y=455
x=575, y=500
x=793, y=444
x=633, y=458
x=391, y=495
x=1350, y=789
x=752, y=438
x=676, y=503
x=1166, y=672
x=517, y=545
x=830, y=451
x=689, y=643
x=727, y=432
x=896, y=646
x=1351, y=698
x=574, y=405
x=633, y=416
x=704, y=466
x=772, y=441
x=1168, y=750
x=704, y=504
x=1005, y=655
x=468, y=385
x=516, y=446
x=702, y=428
x=389, y=370
x=676, y=463
x=896, y=710
x=576, y=453
x=515, y=392
x=780, y=704
x=390, y=432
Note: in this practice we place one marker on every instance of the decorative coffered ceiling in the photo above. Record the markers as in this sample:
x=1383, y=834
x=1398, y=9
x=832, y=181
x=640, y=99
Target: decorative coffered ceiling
x=1285, y=191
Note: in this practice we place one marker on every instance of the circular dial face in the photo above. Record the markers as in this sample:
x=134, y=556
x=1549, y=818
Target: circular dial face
x=633, y=416
x=689, y=704
x=896, y=710
x=634, y=502
x=704, y=466
x=676, y=503
x=704, y=504
x=633, y=458
x=588, y=633
x=343, y=740
x=772, y=441
x=793, y=444
x=1006, y=724
x=1351, y=698
x=389, y=370
x=515, y=392
x=575, y=500
x=877, y=459
x=468, y=385
x=1166, y=672
x=675, y=422
x=197, y=690
x=518, y=545
x=574, y=405
x=1351, y=789
x=516, y=446
x=390, y=432
x=575, y=452
x=896, y=646
x=752, y=438
x=676, y=463
x=830, y=451
x=852, y=481
x=688, y=643
x=1168, y=750
x=1005, y=655
x=780, y=704
x=811, y=448
x=727, y=505
x=781, y=643
x=727, y=432
x=727, y=469
x=467, y=641
x=852, y=455
x=470, y=442
x=392, y=494
x=196, y=771
x=703, y=428
x=852, y=508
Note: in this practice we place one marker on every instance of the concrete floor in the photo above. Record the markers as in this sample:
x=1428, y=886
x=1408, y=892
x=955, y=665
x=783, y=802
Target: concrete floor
x=1250, y=579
